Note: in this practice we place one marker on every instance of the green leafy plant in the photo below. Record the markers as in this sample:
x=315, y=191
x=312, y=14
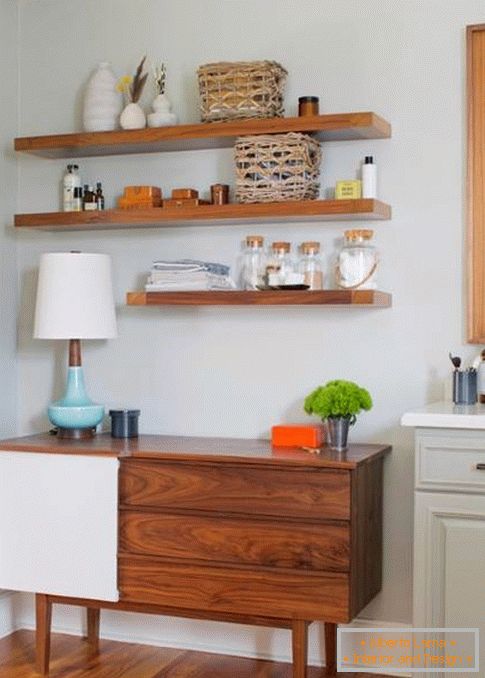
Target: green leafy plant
x=338, y=398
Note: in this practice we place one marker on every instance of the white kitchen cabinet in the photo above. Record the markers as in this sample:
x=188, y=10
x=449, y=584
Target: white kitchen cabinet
x=449, y=563
x=449, y=520
x=58, y=524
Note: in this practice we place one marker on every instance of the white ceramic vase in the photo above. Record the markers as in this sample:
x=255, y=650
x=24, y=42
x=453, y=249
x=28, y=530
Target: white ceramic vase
x=162, y=116
x=132, y=117
x=102, y=103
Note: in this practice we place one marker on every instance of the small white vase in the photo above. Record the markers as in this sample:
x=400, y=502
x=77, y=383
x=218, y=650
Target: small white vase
x=132, y=117
x=102, y=103
x=163, y=116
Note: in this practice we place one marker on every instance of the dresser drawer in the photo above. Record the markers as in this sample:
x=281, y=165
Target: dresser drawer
x=263, y=491
x=450, y=464
x=267, y=594
x=236, y=541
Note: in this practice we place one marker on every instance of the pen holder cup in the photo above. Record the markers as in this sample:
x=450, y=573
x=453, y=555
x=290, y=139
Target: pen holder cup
x=464, y=387
x=124, y=423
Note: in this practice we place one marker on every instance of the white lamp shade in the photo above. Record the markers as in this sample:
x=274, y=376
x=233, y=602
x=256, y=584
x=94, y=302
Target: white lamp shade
x=75, y=297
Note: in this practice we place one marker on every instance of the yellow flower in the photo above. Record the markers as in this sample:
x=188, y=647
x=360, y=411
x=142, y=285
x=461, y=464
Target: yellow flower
x=123, y=83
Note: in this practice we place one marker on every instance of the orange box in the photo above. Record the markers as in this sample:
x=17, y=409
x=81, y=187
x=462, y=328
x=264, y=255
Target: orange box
x=298, y=435
x=184, y=193
x=126, y=204
x=186, y=202
x=142, y=192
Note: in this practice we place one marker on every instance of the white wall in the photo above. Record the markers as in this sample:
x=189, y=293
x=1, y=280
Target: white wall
x=236, y=371
x=8, y=271
x=8, y=195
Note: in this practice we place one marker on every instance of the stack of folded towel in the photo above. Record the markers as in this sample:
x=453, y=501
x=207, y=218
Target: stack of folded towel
x=187, y=274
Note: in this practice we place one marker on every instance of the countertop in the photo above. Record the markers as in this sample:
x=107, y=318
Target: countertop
x=176, y=448
x=446, y=415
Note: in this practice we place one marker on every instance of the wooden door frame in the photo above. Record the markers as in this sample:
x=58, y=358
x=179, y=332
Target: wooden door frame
x=475, y=38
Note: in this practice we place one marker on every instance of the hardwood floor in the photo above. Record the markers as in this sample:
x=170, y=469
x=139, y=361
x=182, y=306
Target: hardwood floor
x=72, y=658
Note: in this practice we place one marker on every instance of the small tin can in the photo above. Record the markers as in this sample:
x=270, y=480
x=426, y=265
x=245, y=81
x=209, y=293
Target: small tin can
x=124, y=423
x=308, y=106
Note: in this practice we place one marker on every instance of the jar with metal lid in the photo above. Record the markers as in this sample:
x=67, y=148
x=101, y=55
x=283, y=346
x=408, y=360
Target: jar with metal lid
x=310, y=265
x=253, y=266
x=280, y=265
x=357, y=261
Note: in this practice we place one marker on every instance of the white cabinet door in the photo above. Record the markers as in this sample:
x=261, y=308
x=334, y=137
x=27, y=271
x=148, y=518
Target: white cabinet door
x=449, y=562
x=58, y=524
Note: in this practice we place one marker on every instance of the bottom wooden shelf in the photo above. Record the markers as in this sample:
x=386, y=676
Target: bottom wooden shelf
x=364, y=298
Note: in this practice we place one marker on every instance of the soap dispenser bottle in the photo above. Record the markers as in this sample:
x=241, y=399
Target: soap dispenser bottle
x=369, y=178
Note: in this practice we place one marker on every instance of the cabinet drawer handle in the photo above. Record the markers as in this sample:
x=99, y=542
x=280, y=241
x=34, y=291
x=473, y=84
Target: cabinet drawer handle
x=480, y=467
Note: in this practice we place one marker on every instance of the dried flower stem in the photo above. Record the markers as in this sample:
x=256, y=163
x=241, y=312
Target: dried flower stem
x=139, y=81
x=160, y=75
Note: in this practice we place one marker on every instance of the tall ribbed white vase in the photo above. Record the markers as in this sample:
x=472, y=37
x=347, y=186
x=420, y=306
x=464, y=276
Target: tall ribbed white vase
x=102, y=103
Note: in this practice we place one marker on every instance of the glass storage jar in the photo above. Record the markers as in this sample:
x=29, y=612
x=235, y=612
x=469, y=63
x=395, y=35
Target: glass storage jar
x=253, y=266
x=280, y=264
x=310, y=265
x=357, y=261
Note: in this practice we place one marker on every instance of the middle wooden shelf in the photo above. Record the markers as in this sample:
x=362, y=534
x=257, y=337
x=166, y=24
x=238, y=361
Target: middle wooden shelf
x=208, y=215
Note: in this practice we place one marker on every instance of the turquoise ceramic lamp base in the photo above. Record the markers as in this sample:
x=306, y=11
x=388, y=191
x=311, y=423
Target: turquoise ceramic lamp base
x=75, y=414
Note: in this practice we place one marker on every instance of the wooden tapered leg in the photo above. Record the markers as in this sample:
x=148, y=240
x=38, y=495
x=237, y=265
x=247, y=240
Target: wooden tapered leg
x=331, y=649
x=94, y=615
x=299, y=637
x=43, y=621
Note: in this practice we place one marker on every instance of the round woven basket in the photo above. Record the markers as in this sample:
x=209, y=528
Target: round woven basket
x=241, y=89
x=277, y=167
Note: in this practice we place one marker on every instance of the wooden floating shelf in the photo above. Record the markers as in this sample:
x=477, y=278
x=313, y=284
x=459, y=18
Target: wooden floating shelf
x=207, y=215
x=359, y=298
x=333, y=127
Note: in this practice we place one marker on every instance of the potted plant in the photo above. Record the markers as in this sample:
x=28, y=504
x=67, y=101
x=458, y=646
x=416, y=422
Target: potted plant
x=162, y=115
x=338, y=403
x=132, y=116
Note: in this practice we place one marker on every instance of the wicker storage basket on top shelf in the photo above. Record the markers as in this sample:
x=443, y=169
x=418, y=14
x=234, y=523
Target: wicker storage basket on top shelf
x=277, y=167
x=241, y=89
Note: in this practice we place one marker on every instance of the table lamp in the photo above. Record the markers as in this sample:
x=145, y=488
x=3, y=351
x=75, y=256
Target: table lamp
x=74, y=302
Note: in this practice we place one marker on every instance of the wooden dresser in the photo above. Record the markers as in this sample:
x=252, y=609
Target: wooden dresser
x=235, y=530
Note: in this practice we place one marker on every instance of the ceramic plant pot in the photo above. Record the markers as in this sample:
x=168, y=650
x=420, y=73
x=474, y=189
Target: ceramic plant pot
x=102, y=103
x=162, y=116
x=132, y=117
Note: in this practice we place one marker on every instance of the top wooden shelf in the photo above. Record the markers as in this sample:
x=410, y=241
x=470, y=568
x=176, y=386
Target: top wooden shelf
x=333, y=127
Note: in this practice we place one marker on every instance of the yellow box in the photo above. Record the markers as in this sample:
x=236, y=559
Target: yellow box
x=348, y=190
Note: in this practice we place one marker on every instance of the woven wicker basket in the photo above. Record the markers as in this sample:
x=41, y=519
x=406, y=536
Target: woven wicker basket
x=241, y=89
x=277, y=167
